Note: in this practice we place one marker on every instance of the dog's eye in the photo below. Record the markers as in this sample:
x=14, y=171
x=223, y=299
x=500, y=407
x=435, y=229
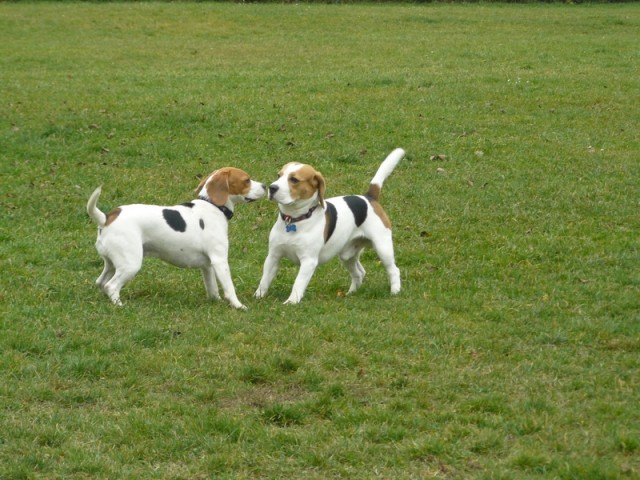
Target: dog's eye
x=294, y=180
x=247, y=181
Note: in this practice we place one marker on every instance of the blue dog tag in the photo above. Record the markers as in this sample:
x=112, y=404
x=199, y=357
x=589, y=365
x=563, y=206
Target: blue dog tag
x=291, y=228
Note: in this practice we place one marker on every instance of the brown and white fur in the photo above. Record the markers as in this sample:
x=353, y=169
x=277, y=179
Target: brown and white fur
x=190, y=235
x=311, y=230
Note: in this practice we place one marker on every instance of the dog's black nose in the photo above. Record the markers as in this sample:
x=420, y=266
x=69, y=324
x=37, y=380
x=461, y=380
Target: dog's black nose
x=273, y=189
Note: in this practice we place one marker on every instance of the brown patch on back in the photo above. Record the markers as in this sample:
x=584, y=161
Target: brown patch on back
x=379, y=211
x=112, y=216
x=373, y=192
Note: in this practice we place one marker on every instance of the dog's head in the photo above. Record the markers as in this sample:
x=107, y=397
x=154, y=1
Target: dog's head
x=298, y=184
x=230, y=184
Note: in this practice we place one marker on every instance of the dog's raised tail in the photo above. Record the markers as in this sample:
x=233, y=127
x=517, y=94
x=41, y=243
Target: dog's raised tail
x=383, y=173
x=96, y=215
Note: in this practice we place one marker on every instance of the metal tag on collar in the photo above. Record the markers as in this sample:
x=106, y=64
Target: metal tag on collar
x=291, y=227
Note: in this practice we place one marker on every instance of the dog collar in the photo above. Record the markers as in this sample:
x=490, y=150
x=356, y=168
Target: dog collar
x=227, y=211
x=289, y=220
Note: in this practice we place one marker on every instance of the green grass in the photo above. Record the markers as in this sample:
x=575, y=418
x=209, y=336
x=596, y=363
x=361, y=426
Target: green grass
x=513, y=350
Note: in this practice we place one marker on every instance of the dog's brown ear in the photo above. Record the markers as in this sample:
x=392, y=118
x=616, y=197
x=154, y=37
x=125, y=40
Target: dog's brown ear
x=320, y=179
x=218, y=188
x=199, y=187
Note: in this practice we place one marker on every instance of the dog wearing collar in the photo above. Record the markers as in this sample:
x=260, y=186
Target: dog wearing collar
x=190, y=235
x=310, y=230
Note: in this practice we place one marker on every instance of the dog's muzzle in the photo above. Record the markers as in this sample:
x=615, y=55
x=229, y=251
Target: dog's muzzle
x=273, y=189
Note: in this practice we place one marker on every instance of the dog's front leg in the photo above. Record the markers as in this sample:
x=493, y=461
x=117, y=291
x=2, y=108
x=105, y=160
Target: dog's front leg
x=269, y=271
x=223, y=274
x=209, y=277
x=307, y=267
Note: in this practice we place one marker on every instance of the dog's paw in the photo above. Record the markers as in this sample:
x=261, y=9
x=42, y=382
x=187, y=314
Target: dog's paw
x=353, y=289
x=260, y=294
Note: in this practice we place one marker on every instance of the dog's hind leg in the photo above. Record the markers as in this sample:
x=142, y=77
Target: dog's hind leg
x=127, y=265
x=113, y=286
x=106, y=275
x=383, y=246
x=210, y=283
x=356, y=270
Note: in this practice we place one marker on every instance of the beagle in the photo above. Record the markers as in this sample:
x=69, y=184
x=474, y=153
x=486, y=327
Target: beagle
x=190, y=235
x=311, y=230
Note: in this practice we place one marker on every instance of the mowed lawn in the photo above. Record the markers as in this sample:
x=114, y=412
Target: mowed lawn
x=513, y=349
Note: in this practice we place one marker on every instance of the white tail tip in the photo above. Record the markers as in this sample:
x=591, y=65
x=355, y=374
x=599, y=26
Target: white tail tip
x=96, y=215
x=388, y=166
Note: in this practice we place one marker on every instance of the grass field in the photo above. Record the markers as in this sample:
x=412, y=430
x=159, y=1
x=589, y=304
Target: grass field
x=513, y=350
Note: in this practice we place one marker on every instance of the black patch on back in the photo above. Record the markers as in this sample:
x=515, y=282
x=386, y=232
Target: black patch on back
x=188, y=204
x=331, y=216
x=202, y=224
x=174, y=220
x=358, y=207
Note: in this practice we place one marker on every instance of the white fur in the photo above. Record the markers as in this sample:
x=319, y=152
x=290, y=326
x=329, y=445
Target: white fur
x=306, y=246
x=141, y=230
x=387, y=166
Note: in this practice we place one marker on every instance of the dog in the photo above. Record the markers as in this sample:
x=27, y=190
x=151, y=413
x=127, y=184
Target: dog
x=311, y=230
x=190, y=235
